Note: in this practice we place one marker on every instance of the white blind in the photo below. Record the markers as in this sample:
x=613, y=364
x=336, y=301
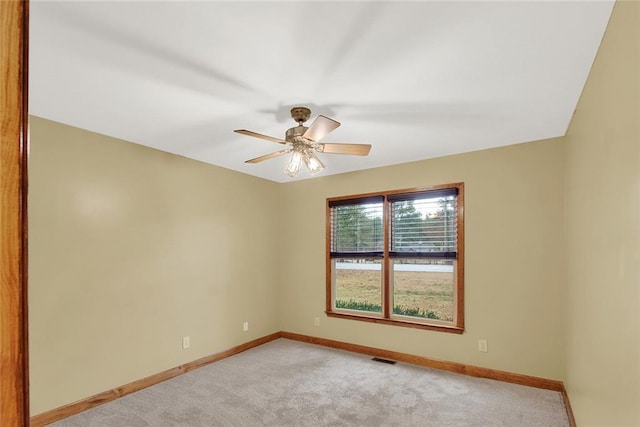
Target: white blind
x=357, y=227
x=424, y=224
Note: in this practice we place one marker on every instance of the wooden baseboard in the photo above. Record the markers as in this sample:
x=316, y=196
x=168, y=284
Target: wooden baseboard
x=567, y=406
x=474, y=371
x=90, y=402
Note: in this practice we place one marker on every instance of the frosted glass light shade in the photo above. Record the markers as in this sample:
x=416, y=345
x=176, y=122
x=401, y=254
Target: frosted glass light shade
x=313, y=162
x=294, y=164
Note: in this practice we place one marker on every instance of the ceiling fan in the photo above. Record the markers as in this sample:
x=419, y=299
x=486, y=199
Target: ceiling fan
x=304, y=143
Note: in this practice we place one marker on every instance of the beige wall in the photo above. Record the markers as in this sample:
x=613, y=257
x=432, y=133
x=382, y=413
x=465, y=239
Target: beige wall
x=603, y=232
x=514, y=267
x=130, y=250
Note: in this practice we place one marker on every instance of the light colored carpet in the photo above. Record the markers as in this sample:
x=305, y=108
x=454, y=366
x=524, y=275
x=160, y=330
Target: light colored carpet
x=288, y=383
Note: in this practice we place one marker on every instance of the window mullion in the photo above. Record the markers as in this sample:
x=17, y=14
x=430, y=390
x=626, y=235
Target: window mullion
x=386, y=286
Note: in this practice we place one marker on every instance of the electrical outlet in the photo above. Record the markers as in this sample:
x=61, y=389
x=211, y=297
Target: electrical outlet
x=186, y=342
x=316, y=321
x=482, y=346
x=245, y=326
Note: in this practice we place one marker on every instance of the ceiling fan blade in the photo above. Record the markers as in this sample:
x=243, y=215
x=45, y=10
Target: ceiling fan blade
x=352, y=149
x=320, y=127
x=268, y=156
x=259, y=135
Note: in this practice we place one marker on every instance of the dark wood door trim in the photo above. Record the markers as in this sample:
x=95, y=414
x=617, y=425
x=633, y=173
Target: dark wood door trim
x=14, y=387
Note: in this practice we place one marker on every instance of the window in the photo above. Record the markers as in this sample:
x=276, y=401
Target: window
x=397, y=257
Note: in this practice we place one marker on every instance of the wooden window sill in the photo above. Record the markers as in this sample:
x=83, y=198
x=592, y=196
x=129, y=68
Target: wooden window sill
x=395, y=322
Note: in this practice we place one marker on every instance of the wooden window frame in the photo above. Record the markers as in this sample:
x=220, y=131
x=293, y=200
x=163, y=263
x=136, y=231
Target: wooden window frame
x=457, y=326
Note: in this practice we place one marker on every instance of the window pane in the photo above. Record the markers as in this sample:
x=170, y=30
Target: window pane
x=358, y=284
x=356, y=228
x=424, y=225
x=423, y=288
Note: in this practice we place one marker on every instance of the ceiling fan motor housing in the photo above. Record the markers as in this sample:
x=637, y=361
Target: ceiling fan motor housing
x=294, y=135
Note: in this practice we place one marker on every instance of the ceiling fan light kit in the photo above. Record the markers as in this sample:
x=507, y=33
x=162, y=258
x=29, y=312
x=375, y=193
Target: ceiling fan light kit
x=310, y=159
x=304, y=143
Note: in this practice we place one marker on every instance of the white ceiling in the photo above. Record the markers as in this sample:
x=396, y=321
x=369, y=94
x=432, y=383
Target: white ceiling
x=415, y=79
